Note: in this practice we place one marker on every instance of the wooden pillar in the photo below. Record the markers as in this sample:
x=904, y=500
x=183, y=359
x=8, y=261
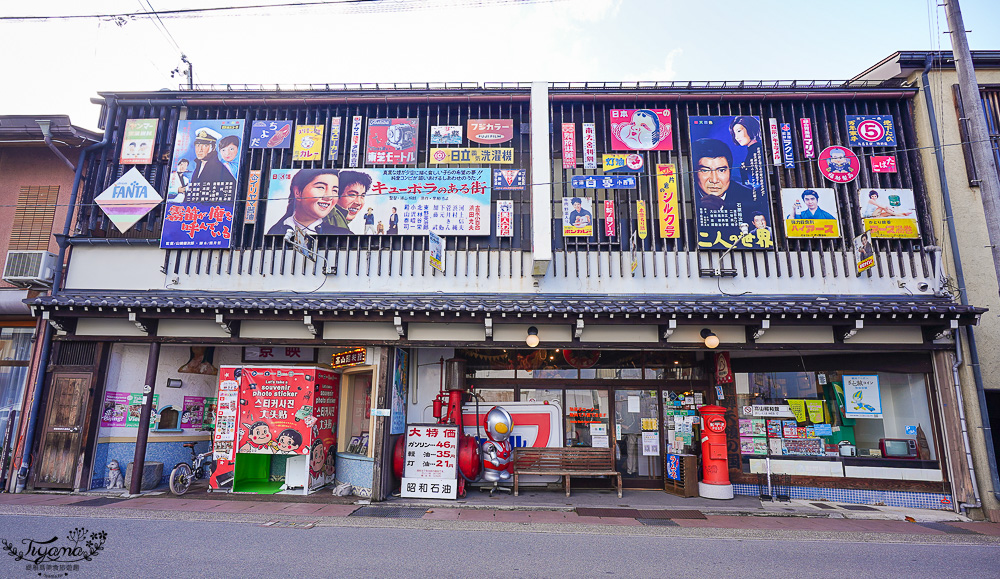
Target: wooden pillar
x=382, y=456
x=139, y=461
x=953, y=446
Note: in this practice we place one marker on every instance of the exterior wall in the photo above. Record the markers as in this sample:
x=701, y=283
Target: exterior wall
x=977, y=260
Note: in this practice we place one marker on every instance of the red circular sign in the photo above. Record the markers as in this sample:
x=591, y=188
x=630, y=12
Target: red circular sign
x=839, y=164
x=871, y=130
x=440, y=155
x=717, y=424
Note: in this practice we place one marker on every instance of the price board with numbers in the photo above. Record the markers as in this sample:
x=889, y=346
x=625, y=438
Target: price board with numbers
x=431, y=467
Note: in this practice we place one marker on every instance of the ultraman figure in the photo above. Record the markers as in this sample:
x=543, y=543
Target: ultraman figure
x=496, y=448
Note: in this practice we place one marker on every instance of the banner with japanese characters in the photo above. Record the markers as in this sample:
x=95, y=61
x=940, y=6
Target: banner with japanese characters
x=355, y=142
x=732, y=204
x=668, y=212
x=384, y=201
x=490, y=131
x=270, y=135
x=569, y=145
x=392, y=141
x=471, y=155
x=334, y=138
x=810, y=213
x=641, y=130
x=870, y=131
x=889, y=213
x=430, y=468
x=578, y=217
x=138, y=141
x=308, y=143
x=589, y=146
x=505, y=218
x=862, y=397
x=201, y=200
x=508, y=179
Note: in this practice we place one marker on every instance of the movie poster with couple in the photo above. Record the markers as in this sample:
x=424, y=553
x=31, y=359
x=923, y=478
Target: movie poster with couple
x=383, y=201
x=203, y=184
x=732, y=204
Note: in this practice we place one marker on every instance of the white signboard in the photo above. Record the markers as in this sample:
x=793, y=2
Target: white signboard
x=650, y=443
x=771, y=411
x=430, y=470
x=435, y=255
x=862, y=397
x=430, y=488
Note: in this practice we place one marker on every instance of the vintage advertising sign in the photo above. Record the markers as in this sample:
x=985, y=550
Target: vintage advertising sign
x=253, y=196
x=308, y=143
x=270, y=135
x=355, y=150
x=589, y=146
x=578, y=217
x=770, y=411
x=351, y=357
x=128, y=200
x=603, y=182
x=732, y=203
x=490, y=131
x=839, y=164
x=870, y=131
x=610, y=226
x=640, y=216
x=668, y=212
x=723, y=368
x=775, y=142
x=435, y=251
x=622, y=163
x=471, y=156
x=446, y=134
x=279, y=354
x=400, y=381
x=431, y=454
x=808, y=144
x=508, y=179
x=569, y=145
x=810, y=213
x=641, y=130
x=864, y=252
x=115, y=409
x=398, y=201
x=135, y=402
x=392, y=141
x=199, y=211
x=883, y=163
x=862, y=397
x=787, y=149
x=334, y=138
x=889, y=213
x=138, y=141
x=505, y=218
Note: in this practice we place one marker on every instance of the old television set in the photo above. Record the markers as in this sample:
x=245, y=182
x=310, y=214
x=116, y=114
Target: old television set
x=898, y=447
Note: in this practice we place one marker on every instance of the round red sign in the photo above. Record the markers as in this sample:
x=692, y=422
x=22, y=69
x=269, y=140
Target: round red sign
x=717, y=424
x=839, y=164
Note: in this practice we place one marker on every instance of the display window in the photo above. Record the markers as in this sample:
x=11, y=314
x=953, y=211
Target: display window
x=355, y=435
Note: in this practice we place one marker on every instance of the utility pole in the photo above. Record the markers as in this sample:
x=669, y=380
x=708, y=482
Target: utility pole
x=982, y=149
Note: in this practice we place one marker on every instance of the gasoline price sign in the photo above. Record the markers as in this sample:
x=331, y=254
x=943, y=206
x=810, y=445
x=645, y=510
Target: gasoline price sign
x=430, y=470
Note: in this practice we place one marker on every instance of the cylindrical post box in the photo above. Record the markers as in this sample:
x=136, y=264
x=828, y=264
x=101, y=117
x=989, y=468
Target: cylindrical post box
x=715, y=465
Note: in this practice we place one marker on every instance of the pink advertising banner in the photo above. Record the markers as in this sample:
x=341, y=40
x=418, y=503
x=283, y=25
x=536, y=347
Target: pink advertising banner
x=808, y=145
x=641, y=130
x=609, y=218
x=569, y=145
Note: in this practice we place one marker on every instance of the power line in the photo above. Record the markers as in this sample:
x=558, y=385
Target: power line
x=158, y=22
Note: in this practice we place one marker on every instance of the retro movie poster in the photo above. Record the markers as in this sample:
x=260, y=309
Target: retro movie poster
x=889, y=213
x=641, y=130
x=400, y=380
x=392, y=141
x=138, y=141
x=732, y=208
x=201, y=194
x=810, y=213
x=379, y=201
x=578, y=217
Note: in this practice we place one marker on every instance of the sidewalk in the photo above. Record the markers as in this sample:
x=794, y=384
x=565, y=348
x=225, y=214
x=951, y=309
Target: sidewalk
x=585, y=507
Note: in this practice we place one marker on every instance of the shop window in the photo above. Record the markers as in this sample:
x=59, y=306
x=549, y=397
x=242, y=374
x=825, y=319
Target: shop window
x=495, y=395
x=15, y=351
x=776, y=387
x=587, y=422
x=355, y=430
x=169, y=420
x=542, y=395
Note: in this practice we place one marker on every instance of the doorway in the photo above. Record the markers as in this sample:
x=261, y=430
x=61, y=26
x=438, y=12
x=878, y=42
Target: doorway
x=62, y=430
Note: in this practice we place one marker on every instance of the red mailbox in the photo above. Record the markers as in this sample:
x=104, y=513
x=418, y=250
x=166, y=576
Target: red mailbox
x=715, y=466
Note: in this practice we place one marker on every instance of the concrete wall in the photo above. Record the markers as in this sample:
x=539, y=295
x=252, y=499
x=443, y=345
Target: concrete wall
x=982, y=288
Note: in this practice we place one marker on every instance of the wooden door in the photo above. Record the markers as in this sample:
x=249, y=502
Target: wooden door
x=62, y=430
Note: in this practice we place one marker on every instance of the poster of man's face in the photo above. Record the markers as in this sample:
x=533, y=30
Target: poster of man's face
x=578, y=217
x=810, y=213
x=732, y=206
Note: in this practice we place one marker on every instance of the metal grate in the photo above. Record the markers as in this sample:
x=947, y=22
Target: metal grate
x=857, y=508
x=658, y=522
x=640, y=513
x=946, y=528
x=823, y=506
x=77, y=354
x=290, y=524
x=98, y=502
x=390, y=512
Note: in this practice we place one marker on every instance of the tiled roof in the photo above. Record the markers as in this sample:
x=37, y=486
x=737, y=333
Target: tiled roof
x=516, y=303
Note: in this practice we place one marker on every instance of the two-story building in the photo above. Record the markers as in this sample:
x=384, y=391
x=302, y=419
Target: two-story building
x=619, y=254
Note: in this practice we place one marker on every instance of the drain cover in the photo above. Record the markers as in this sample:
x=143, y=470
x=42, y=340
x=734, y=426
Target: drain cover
x=599, y=512
x=857, y=508
x=290, y=524
x=823, y=506
x=658, y=522
x=100, y=502
x=390, y=512
x=670, y=514
x=946, y=528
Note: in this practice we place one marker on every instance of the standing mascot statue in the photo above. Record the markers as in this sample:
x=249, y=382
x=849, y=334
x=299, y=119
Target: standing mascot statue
x=497, y=465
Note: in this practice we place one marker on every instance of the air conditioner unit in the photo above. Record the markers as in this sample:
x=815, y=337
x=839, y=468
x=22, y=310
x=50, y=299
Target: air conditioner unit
x=29, y=268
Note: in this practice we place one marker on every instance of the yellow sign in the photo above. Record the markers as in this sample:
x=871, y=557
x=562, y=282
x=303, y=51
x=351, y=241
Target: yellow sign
x=798, y=408
x=640, y=214
x=666, y=200
x=815, y=408
x=812, y=228
x=471, y=156
x=308, y=143
x=649, y=424
x=893, y=228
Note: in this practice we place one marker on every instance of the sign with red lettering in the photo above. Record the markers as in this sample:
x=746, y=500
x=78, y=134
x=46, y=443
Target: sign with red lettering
x=279, y=354
x=775, y=141
x=883, y=164
x=808, y=145
x=589, y=146
x=505, y=218
x=392, y=141
x=490, y=131
x=839, y=164
x=569, y=145
x=641, y=130
x=431, y=467
x=609, y=217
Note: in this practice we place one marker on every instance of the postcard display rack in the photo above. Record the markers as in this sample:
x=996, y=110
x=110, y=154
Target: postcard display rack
x=276, y=429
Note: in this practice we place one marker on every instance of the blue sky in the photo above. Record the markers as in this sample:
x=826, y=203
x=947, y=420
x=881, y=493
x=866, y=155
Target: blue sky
x=60, y=65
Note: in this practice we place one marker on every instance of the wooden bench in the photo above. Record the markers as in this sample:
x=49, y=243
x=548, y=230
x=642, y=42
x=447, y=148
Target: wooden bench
x=566, y=462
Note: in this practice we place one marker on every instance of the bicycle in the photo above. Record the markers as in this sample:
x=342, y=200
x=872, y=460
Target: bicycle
x=185, y=473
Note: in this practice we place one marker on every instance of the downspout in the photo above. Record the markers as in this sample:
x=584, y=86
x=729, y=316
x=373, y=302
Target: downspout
x=43, y=359
x=44, y=125
x=965, y=427
x=959, y=274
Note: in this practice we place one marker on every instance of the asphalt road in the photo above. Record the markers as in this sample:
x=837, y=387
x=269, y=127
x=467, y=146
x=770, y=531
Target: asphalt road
x=364, y=547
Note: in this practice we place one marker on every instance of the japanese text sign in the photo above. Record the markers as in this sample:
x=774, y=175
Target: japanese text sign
x=308, y=143
x=883, y=163
x=603, y=182
x=569, y=145
x=270, y=135
x=808, y=144
x=666, y=201
x=810, y=213
x=870, y=131
x=138, y=141
x=471, y=156
x=505, y=218
x=490, y=131
x=641, y=130
x=508, y=179
x=589, y=146
x=392, y=141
